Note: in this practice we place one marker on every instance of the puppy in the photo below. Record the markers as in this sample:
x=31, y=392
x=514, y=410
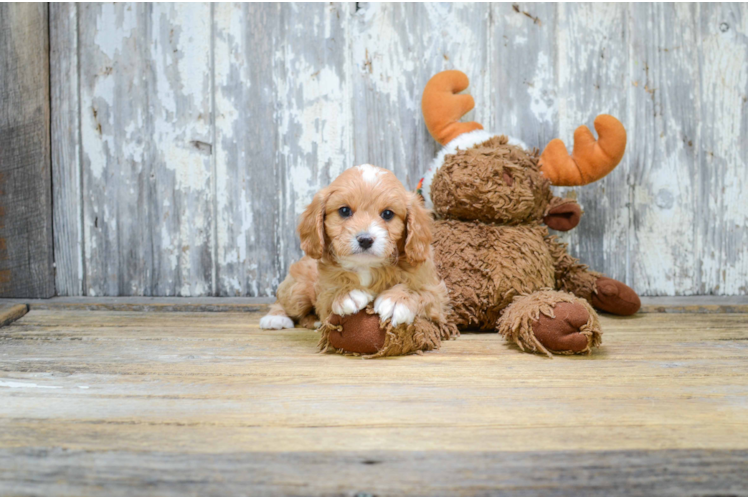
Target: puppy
x=366, y=238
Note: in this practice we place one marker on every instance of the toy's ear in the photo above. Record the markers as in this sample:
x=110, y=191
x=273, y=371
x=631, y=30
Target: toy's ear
x=418, y=231
x=312, y=226
x=563, y=214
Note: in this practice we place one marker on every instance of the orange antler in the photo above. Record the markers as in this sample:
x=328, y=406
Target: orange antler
x=442, y=107
x=591, y=160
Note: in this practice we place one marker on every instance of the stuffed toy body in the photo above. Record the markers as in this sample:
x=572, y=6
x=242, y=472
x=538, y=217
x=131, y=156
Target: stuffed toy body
x=493, y=204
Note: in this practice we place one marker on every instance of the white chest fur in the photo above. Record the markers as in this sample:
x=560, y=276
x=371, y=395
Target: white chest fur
x=364, y=276
x=365, y=273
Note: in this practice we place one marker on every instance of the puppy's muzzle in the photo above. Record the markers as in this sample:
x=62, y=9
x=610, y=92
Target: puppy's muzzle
x=365, y=241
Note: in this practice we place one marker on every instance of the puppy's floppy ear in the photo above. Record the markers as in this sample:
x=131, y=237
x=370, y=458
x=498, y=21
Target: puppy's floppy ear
x=312, y=227
x=418, y=231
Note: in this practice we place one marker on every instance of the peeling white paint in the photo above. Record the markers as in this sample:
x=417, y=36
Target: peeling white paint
x=343, y=87
x=109, y=35
x=543, y=105
x=317, y=121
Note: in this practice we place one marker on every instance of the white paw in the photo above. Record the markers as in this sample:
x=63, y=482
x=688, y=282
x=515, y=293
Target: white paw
x=275, y=322
x=400, y=314
x=352, y=303
x=384, y=308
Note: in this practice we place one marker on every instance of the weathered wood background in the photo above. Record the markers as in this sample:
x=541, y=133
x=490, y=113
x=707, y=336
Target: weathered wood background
x=26, y=257
x=187, y=138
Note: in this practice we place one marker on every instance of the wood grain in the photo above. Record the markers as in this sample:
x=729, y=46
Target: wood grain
x=665, y=101
x=10, y=313
x=522, y=88
x=261, y=105
x=376, y=473
x=248, y=182
x=180, y=89
x=722, y=151
x=26, y=255
x=118, y=180
x=66, y=155
x=174, y=395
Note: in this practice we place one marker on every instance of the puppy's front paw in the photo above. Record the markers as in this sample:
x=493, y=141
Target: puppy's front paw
x=274, y=322
x=351, y=303
x=398, y=311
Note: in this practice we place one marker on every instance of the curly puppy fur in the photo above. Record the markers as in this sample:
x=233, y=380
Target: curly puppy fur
x=393, y=270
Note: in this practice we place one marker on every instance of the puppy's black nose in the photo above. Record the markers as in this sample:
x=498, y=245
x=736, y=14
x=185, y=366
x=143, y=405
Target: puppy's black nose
x=365, y=241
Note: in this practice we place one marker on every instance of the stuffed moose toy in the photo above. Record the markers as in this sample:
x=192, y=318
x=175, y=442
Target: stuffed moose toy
x=493, y=205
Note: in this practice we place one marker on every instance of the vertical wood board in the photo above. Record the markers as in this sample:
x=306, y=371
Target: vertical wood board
x=722, y=31
x=668, y=212
x=67, y=192
x=26, y=255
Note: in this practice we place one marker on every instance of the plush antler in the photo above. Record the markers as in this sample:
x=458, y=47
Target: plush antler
x=591, y=160
x=442, y=107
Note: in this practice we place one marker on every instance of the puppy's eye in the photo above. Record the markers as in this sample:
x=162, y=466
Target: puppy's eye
x=387, y=214
x=345, y=212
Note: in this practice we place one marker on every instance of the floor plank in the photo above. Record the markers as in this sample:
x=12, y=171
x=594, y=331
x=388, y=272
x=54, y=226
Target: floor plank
x=377, y=473
x=164, y=394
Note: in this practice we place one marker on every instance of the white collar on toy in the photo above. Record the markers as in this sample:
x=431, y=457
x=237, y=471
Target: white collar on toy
x=463, y=141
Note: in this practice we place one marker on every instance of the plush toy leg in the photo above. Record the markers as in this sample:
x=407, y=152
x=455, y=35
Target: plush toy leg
x=363, y=333
x=550, y=321
x=615, y=297
x=604, y=293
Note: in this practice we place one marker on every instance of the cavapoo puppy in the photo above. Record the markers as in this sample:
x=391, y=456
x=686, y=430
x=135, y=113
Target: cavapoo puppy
x=366, y=238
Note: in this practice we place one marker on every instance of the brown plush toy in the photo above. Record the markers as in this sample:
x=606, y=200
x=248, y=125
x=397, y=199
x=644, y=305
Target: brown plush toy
x=364, y=333
x=493, y=202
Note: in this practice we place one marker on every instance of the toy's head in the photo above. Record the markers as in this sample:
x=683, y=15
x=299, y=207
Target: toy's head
x=480, y=176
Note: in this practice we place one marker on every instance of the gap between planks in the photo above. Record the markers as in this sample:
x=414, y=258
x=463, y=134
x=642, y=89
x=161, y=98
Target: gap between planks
x=684, y=304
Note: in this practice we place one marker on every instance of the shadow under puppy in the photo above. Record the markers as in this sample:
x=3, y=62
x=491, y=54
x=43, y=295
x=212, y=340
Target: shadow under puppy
x=368, y=267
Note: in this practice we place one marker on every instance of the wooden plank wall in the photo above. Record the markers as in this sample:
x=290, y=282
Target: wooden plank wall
x=188, y=138
x=26, y=258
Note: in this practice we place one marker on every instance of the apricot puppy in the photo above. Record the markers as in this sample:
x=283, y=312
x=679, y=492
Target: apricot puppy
x=366, y=238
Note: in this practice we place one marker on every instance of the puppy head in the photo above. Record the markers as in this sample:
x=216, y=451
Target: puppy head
x=366, y=217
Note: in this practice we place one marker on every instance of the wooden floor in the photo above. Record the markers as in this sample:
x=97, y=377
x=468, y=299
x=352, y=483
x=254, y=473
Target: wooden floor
x=124, y=403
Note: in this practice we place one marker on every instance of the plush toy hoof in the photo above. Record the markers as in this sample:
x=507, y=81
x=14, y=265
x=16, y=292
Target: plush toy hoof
x=360, y=333
x=562, y=333
x=615, y=297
